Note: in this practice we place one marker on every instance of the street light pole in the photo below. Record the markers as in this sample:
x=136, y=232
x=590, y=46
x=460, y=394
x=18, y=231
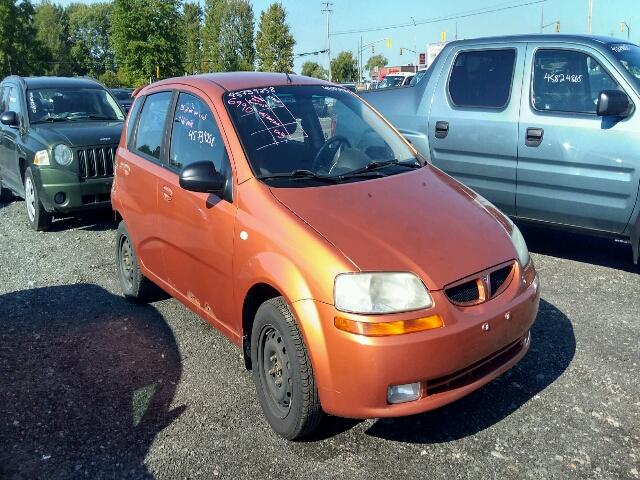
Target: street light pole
x=327, y=8
x=590, y=16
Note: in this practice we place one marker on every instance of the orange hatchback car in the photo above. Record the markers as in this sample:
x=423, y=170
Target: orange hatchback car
x=358, y=279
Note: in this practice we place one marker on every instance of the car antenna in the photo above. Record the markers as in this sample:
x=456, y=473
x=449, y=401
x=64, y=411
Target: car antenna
x=289, y=80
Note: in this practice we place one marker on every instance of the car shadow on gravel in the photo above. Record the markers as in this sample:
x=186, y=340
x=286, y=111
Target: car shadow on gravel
x=87, y=383
x=601, y=251
x=553, y=346
x=91, y=221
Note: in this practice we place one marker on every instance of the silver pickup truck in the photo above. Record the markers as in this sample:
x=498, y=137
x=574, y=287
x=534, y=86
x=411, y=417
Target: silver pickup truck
x=544, y=126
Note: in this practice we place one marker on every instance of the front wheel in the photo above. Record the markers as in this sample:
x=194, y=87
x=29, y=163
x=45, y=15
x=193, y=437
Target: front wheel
x=38, y=217
x=282, y=372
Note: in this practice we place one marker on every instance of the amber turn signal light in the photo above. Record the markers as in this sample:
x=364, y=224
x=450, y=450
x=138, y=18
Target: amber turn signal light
x=384, y=329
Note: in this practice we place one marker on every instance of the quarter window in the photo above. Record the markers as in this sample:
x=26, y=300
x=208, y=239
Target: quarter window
x=195, y=136
x=151, y=124
x=568, y=81
x=133, y=117
x=482, y=78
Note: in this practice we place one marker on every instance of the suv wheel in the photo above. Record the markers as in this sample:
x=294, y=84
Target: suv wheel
x=135, y=286
x=39, y=218
x=282, y=372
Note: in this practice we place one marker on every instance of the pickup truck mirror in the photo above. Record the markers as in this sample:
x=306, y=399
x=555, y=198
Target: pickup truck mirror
x=613, y=103
x=202, y=177
x=10, y=118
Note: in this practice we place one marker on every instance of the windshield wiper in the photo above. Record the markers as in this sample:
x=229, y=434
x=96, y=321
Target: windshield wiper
x=93, y=116
x=51, y=118
x=300, y=174
x=377, y=164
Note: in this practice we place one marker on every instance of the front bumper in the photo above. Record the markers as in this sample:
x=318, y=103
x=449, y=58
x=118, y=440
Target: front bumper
x=353, y=372
x=79, y=195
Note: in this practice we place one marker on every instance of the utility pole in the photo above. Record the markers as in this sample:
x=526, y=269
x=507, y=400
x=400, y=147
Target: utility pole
x=590, y=16
x=327, y=8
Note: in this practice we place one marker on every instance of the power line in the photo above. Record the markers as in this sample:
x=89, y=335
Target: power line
x=469, y=13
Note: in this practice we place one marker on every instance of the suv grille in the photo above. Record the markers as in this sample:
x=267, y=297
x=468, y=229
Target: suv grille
x=96, y=162
x=482, y=288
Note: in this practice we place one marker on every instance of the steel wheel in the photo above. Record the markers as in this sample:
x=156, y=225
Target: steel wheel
x=30, y=198
x=126, y=261
x=275, y=371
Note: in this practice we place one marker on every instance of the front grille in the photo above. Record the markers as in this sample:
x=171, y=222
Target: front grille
x=481, y=288
x=476, y=371
x=96, y=162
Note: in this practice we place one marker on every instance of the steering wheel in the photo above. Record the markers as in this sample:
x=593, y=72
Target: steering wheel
x=327, y=147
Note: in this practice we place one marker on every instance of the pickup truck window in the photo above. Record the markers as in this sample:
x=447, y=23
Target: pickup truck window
x=629, y=57
x=568, y=81
x=482, y=78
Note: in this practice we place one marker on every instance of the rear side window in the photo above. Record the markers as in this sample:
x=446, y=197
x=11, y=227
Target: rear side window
x=151, y=124
x=195, y=136
x=482, y=78
x=568, y=81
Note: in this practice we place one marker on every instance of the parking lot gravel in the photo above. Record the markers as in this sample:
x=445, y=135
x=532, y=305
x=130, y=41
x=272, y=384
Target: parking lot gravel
x=94, y=387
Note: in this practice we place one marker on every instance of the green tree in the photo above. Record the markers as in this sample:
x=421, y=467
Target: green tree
x=237, y=51
x=145, y=39
x=344, y=68
x=274, y=42
x=213, y=11
x=191, y=37
x=313, y=69
x=52, y=31
x=20, y=51
x=378, y=60
x=89, y=30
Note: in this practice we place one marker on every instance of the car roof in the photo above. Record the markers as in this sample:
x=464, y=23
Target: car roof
x=56, y=82
x=243, y=80
x=594, y=40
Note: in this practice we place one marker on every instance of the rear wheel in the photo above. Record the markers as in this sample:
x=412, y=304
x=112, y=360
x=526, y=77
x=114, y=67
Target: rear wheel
x=135, y=286
x=282, y=372
x=38, y=217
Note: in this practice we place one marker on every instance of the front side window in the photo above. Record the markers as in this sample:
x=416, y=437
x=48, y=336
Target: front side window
x=71, y=104
x=568, y=81
x=311, y=134
x=195, y=136
x=151, y=124
x=629, y=57
x=13, y=100
x=482, y=78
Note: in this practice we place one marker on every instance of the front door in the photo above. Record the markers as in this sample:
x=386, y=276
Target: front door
x=197, y=228
x=583, y=169
x=11, y=175
x=473, y=123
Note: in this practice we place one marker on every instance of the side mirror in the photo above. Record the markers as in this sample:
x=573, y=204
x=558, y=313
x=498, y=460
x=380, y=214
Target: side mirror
x=10, y=118
x=202, y=177
x=612, y=103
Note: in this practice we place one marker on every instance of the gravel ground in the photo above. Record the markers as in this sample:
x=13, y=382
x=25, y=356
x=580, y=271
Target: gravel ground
x=93, y=387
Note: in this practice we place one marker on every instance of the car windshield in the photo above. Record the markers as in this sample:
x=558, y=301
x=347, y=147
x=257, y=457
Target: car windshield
x=417, y=77
x=71, y=104
x=629, y=57
x=122, y=94
x=313, y=134
x=391, y=81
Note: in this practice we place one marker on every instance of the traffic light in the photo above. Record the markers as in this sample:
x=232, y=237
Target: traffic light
x=622, y=27
x=400, y=51
x=443, y=36
x=372, y=50
x=557, y=26
x=389, y=42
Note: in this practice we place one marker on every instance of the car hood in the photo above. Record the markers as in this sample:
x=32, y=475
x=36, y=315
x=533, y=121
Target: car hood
x=421, y=221
x=76, y=134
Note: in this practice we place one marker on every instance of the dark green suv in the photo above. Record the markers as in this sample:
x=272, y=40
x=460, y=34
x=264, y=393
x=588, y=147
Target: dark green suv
x=59, y=137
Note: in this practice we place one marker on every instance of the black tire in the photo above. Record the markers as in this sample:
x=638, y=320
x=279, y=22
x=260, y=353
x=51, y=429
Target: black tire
x=38, y=218
x=278, y=353
x=135, y=286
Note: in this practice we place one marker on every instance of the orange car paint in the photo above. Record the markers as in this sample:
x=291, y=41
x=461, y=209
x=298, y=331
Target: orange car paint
x=209, y=254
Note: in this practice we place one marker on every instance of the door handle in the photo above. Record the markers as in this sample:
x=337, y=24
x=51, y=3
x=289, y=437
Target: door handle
x=442, y=129
x=534, y=137
x=167, y=193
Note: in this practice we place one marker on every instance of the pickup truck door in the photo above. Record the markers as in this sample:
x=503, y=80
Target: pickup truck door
x=575, y=168
x=473, y=124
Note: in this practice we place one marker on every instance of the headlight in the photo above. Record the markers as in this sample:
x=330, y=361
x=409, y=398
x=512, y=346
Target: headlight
x=520, y=245
x=380, y=293
x=63, y=155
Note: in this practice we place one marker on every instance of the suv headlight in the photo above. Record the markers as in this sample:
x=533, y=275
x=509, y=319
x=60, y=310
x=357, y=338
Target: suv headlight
x=63, y=155
x=382, y=292
x=520, y=245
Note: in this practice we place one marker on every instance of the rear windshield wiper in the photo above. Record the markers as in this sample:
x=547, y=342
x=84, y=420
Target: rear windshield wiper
x=301, y=174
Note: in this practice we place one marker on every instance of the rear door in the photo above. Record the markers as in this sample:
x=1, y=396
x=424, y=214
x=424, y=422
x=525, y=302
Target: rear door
x=139, y=168
x=473, y=124
x=581, y=170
